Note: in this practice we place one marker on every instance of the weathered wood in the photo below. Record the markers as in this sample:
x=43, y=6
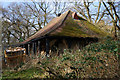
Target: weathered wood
x=26, y=47
x=69, y=43
x=31, y=47
x=39, y=46
x=64, y=42
x=34, y=48
x=52, y=42
x=47, y=47
x=21, y=46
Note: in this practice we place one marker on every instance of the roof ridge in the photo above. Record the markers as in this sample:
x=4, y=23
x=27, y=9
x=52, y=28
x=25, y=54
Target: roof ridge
x=62, y=21
x=45, y=27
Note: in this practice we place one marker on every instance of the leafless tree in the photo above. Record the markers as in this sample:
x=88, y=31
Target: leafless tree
x=112, y=11
x=95, y=13
x=60, y=7
x=89, y=10
x=22, y=20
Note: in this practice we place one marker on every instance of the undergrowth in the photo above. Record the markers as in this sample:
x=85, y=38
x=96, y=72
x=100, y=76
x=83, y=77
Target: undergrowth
x=97, y=60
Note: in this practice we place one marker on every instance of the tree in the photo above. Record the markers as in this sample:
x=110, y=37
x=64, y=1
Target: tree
x=21, y=20
x=0, y=37
x=88, y=11
x=113, y=14
x=104, y=10
x=59, y=7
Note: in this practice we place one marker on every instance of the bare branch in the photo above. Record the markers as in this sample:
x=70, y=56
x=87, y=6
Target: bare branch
x=98, y=12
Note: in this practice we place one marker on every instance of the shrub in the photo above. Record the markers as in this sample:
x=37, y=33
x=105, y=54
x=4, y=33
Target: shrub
x=98, y=60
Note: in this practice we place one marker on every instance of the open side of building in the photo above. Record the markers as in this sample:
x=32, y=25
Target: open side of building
x=68, y=31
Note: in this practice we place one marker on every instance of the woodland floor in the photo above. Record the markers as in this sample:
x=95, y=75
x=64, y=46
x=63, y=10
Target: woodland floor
x=97, y=60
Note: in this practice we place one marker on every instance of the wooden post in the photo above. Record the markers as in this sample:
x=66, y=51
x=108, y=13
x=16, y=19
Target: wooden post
x=26, y=47
x=34, y=48
x=39, y=47
x=69, y=43
x=22, y=46
x=64, y=42
x=31, y=48
x=47, y=47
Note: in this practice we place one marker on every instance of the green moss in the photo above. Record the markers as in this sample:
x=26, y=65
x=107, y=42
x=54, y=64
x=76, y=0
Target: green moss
x=72, y=29
x=95, y=29
x=29, y=73
x=92, y=27
x=80, y=28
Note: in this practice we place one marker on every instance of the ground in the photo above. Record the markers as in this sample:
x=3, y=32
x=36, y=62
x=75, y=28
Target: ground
x=97, y=60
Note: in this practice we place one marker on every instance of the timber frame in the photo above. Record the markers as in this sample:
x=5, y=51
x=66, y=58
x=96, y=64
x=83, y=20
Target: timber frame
x=48, y=43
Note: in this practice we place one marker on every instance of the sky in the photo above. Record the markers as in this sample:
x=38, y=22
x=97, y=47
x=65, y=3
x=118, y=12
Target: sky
x=5, y=4
x=51, y=0
x=54, y=0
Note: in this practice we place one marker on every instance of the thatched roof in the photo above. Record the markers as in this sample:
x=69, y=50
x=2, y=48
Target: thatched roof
x=68, y=24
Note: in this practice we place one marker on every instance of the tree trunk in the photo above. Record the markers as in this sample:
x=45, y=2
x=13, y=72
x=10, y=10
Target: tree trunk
x=0, y=48
x=119, y=41
x=119, y=47
x=0, y=38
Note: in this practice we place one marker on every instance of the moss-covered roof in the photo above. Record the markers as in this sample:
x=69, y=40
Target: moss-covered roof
x=78, y=28
x=66, y=25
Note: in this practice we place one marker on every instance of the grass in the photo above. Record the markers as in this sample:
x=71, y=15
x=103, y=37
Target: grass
x=25, y=74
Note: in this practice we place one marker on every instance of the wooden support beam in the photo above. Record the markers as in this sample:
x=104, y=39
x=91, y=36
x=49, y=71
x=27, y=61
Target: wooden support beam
x=52, y=42
x=47, y=47
x=69, y=44
x=31, y=46
x=23, y=46
x=34, y=48
x=39, y=46
x=26, y=47
x=64, y=42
